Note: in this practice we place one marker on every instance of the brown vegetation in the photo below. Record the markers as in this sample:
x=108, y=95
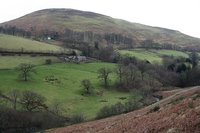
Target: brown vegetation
x=182, y=116
x=52, y=22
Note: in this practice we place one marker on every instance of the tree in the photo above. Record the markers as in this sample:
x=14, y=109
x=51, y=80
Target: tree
x=87, y=86
x=131, y=76
x=25, y=71
x=142, y=66
x=106, y=54
x=32, y=101
x=194, y=59
x=181, y=68
x=14, y=96
x=104, y=75
x=119, y=72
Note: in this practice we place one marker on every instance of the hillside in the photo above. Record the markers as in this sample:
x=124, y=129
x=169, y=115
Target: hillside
x=58, y=20
x=152, y=55
x=19, y=43
x=65, y=88
x=179, y=112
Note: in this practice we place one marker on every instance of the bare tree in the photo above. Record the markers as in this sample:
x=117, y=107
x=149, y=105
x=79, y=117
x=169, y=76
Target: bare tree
x=87, y=86
x=119, y=72
x=14, y=97
x=194, y=59
x=32, y=101
x=104, y=75
x=142, y=66
x=25, y=71
x=131, y=76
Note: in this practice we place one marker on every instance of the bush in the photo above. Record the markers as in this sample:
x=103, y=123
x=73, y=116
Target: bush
x=104, y=112
x=116, y=109
x=131, y=106
x=77, y=118
x=48, y=61
x=25, y=122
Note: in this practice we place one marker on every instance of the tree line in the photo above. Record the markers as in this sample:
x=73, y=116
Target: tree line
x=134, y=74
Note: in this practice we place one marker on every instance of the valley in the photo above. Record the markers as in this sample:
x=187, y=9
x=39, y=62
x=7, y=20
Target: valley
x=60, y=67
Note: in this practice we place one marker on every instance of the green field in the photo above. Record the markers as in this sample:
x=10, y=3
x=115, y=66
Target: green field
x=9, y=62
x=19, y=43
x=68, y=90
x=152, y=55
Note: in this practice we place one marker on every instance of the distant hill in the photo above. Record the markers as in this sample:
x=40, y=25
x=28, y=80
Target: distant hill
x=178, y=113
x=18, y=43
x=118, y=31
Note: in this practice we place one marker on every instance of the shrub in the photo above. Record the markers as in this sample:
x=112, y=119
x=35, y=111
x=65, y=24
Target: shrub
x=48, y=61
x=104, y=112
x=131, y=106
x=117, y=108
x=77, y=118
x=107, y=111
x=23, y=122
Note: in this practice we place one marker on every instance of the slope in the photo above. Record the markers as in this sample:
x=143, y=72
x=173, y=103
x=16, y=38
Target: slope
x=177, y=113
x=19, y=43
x=60, y=19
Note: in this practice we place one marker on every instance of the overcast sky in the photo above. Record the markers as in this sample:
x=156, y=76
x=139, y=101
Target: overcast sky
x=182, y=15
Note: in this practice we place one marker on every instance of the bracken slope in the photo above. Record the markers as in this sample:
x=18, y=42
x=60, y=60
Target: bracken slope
x=178, y=113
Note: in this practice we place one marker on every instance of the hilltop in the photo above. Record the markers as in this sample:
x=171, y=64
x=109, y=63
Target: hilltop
x=176, y=113
x=58, y=20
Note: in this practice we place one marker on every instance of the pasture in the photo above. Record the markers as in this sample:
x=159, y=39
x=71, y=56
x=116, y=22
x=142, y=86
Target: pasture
x=23, y=44
x=10, y=62
x=67, y=89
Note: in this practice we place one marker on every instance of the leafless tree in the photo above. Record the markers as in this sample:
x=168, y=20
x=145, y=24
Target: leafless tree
x=25, y=71
x=104, y=75
x=14, y=97
x=87, y=86
x=32, y=101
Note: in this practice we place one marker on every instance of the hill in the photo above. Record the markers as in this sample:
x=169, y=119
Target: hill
x=176, y=113
x=19, y=43
x=112, y=30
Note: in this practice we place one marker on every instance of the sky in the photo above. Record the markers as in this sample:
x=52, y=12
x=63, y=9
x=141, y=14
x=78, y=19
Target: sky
x=181, y=15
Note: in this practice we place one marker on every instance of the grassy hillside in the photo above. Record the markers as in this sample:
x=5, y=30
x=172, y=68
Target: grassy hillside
x=60, y=19
x=19, y=43
x=152, y=55
x=68, y=90
x=9, y=62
